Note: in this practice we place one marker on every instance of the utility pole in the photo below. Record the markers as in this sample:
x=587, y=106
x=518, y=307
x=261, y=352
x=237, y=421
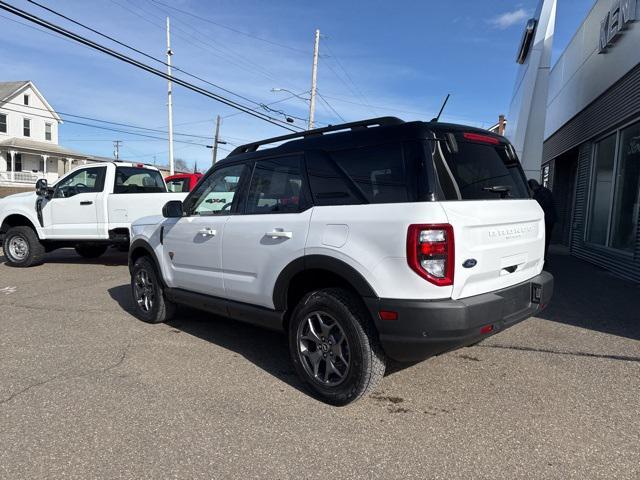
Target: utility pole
x=314, y=79
x=116, y=149
x=170, y=99
x=217, y=141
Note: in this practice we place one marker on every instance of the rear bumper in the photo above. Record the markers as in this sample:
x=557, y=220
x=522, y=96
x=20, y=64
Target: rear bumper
x=426, y=328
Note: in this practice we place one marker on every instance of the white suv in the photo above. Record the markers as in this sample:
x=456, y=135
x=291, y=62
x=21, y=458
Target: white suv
x=362, y=241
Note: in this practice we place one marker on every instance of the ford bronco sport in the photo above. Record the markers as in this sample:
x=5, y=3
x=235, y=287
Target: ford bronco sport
x=363, y=241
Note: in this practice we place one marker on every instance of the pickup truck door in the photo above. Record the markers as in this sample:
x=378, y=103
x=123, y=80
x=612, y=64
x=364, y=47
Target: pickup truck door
x=270, y=233
x=192, y=246
x=73, y=211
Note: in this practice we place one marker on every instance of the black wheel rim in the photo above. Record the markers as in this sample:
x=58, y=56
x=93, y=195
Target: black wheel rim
x=144, y=290
x=323, y=349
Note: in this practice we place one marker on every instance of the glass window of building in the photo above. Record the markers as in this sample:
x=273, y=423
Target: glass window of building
x=627, y=192
x=601, y=190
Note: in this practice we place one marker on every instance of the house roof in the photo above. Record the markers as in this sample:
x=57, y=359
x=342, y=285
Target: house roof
x=7, y=89
x=39, y=147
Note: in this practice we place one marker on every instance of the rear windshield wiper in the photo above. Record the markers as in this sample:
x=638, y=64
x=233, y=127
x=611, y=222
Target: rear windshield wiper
x=503, y=190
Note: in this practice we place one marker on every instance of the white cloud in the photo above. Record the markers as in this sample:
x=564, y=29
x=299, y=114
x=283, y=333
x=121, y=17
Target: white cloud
x=509, y=19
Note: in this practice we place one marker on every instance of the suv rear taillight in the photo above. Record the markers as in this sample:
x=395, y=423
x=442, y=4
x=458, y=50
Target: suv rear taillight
x=430, y=252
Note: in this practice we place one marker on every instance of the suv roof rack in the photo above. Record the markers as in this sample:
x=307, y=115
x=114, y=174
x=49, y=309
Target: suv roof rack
x=380, y=121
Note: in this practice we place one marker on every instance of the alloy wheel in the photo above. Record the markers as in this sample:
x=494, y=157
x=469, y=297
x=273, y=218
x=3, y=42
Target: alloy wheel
x=144, y=290
x=323, y=349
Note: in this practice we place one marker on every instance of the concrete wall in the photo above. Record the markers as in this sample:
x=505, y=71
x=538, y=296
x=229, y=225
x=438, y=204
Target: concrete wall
x=36, y=111
x=582, y=74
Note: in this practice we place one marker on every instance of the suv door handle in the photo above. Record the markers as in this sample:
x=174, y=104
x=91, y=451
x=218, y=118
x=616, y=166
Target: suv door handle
x=279, y=234
x=208, y=232
x=86, y=202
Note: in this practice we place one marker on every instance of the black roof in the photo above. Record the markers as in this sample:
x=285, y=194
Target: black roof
x=346, y=135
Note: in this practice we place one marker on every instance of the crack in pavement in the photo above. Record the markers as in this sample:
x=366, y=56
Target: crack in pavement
x=120, y=361
x=623, y=358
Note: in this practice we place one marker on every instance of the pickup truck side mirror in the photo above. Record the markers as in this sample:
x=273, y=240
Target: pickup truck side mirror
x=172, y=209
x=43, y=189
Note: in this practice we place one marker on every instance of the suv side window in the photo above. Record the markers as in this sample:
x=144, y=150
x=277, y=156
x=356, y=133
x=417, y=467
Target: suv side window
x=378, y=172
x=276, y=186
x=328, y=185
x=216, y=194
x=84, y=180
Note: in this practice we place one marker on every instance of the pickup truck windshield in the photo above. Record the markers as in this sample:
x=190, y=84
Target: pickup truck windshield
x=138, y=180
x=470, y=170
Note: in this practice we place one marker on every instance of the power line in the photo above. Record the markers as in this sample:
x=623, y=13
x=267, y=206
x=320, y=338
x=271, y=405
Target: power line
x=100, y=127
x=128, y=125
x=221, y=25
x=120, y=56
x=331, y=107
x=151, y=57
x=357, y=90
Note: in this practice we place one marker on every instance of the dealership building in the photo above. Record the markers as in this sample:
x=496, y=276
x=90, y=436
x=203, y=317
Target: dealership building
x=591, y=149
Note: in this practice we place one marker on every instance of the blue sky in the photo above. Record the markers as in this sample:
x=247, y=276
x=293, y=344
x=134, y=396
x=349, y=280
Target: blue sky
x=377, y=58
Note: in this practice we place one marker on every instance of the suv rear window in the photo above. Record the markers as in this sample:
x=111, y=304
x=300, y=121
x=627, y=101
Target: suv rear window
x=378, y=172
x=470, y=170
x=138, y=180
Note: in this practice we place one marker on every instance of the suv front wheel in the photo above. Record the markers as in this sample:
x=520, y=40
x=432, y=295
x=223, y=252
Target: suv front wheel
x=150, y=302
x=334, y=346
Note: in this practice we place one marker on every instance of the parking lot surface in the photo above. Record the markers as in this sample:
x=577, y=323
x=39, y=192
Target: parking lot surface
x=89, y=391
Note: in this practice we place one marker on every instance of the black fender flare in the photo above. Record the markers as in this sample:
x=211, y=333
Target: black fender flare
x=318, y=262
x=142, y=244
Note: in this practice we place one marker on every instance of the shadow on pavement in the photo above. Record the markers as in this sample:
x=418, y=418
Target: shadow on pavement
x=588, y=297
x=264, y=348
x=111, y=258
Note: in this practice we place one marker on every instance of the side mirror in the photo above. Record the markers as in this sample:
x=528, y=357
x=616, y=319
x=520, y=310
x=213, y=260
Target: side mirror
x=172, y=209
x=42, y=187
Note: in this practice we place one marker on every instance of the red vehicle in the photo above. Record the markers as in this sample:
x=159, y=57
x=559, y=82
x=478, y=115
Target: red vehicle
x=182, y=182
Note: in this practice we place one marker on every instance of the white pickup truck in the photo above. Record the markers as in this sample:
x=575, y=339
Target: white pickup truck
x=90, y=209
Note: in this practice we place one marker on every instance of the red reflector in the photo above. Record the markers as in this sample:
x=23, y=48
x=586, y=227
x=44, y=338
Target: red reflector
x=388, y=315
x=476, y=137
x=486, y=329
x=433, y=248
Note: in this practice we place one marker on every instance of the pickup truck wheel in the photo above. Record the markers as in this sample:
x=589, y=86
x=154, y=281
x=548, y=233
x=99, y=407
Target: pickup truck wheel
x=148, y=295
x=334, y=346
x=91, y=251
x=22, y=247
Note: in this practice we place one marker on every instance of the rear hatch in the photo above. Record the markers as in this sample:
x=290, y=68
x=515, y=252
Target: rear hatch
x=498, y=229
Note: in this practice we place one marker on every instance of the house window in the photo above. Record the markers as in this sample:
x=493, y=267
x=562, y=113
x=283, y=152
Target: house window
x=26, y=127
x=615, y=197
x=3, y=123
x=17, y=159
x=47, y=131
x=26, y=99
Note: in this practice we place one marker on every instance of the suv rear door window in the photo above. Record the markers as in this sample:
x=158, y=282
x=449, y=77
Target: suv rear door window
x=276, y=186
x=138, y=180
x=477, y=170
x=378, y=172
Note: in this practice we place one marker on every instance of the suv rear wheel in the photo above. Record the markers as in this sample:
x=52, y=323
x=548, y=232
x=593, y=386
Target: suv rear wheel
x=334, y=346
x=148, y=294
x=22, y=247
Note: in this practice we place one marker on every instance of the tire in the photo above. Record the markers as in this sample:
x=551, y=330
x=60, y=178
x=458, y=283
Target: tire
x=22, y=247
x=149, y=301
x=337, y=375
x=91, y=251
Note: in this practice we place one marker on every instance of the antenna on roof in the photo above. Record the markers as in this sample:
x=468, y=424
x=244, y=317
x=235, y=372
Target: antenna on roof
x=442, y=108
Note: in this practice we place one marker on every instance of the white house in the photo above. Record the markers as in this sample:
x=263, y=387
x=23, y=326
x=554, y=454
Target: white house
x=29, y=147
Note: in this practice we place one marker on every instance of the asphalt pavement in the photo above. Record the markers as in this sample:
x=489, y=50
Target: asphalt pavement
x=88, y=391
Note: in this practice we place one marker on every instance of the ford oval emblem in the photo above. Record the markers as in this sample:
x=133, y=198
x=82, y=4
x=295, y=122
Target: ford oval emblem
x=470, y=263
